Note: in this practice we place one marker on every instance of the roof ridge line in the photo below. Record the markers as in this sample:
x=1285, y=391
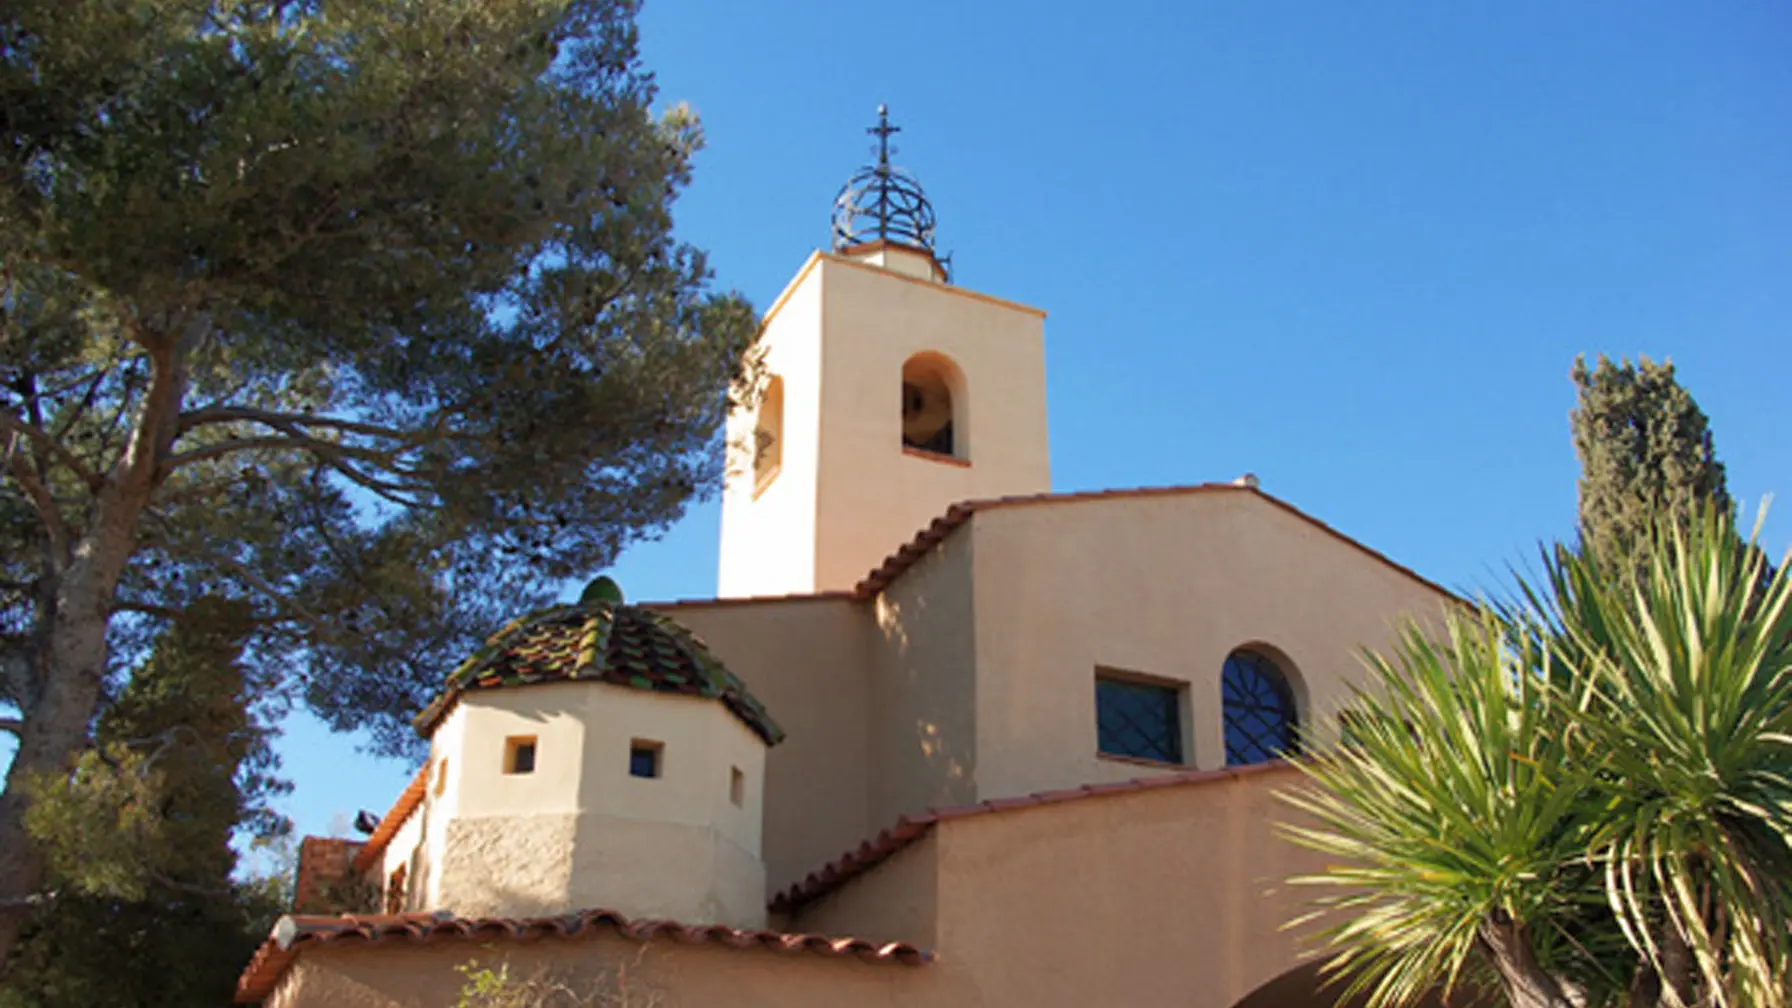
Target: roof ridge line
x=934, y=532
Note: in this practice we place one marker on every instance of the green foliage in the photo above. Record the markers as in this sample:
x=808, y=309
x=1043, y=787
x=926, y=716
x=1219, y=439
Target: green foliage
x=138, y=836
x=1583, y=797
x=1645, y=452
x=178, y=763
x=366, y=314
x=94, y=952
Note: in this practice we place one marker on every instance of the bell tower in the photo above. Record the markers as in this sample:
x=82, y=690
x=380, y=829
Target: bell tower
x=890, y=394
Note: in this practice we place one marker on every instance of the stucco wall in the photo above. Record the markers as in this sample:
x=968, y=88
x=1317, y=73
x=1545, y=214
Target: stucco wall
x=1165, y=586
x=407, y=850
x=1167, y=897
x=504, y=866
x=655, y=975
x=579, y=830
x=666, y=871
x=923, y=692
x=899, y=901
x=847, y=494
x=441, y=800
x=768, y=541
x=552, y=714
x=885, y=719
x=872, y=497
x=897, y=259
x=1172, y=896
x=809, y=662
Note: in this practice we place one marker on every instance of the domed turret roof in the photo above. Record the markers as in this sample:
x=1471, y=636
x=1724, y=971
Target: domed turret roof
x=600, y=639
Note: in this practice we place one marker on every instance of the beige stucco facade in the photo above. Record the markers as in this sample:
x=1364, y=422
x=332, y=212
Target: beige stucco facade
x=1167, y=897
x=919, y=654
x=972, y=675
x=847, y=491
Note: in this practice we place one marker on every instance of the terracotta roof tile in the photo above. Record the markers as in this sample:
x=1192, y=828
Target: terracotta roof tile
x=381, y=838
x=293, y=933
x=624, y=645
x=905, y=557
x=909, y=828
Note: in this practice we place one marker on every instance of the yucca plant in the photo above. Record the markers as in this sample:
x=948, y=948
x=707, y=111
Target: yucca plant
x=1581, y=798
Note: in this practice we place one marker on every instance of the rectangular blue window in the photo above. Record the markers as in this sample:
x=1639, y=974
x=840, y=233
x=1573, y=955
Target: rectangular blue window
x=1138, y=719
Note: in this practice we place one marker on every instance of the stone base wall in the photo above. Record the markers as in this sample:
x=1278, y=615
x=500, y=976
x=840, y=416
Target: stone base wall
x=525, y=866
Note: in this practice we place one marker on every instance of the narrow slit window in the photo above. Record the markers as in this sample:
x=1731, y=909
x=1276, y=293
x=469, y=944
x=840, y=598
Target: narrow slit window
x=737, y=786
x=644, y=758
x=441, y=775
x=519, y=754
x=768, y=435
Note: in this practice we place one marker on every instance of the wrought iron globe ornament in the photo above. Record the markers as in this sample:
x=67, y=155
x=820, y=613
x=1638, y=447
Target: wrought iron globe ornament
x=884, y=203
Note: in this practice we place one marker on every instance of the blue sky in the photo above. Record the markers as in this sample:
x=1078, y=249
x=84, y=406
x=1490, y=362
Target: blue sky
x=1353, y=248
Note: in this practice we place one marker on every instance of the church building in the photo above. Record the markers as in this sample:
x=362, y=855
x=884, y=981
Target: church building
x=943, y=736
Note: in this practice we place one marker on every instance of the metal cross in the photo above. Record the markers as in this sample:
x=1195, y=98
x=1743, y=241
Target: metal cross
x=882, y=131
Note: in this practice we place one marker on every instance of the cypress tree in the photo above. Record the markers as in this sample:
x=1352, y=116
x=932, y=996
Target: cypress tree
x=1646, y=454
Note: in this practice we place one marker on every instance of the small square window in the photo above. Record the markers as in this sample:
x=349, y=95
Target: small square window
x=737, y=786
x=519, y=754
x=1142, y=720
x=644, y=758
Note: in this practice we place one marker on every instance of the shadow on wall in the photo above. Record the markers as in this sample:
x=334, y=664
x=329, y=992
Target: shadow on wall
x=1305, y=987
x=937, y=737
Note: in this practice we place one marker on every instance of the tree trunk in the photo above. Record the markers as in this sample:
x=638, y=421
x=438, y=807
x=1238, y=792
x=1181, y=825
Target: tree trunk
x=1525, y=982
x=54, y=731
x=71, y=664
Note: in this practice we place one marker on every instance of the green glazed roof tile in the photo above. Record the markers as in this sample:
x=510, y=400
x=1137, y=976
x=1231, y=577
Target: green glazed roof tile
x=604, y=641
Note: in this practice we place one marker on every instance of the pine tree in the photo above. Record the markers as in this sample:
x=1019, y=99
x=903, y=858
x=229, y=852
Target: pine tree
x=369, y=315
x=1646, y=454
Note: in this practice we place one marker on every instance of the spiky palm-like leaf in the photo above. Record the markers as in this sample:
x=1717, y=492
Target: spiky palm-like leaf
x=1690, y=666
x=1584, y=795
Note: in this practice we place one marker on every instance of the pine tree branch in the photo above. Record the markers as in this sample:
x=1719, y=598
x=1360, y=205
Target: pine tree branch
x=147, y=609
x=342, y=458
x=284, y=421
x=135, y=473
x=45, y=505
x=280, y=598
x=297, y=441
x=14, y=425
x=85, y=403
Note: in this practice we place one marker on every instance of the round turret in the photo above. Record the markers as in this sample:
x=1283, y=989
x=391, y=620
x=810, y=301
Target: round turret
x=595, y=755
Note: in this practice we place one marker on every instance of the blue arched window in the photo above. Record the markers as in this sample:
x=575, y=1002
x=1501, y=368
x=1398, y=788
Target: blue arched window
x=1259, y=709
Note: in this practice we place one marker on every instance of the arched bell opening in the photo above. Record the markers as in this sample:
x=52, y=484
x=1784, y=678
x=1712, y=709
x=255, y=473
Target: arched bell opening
x=933, y=406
